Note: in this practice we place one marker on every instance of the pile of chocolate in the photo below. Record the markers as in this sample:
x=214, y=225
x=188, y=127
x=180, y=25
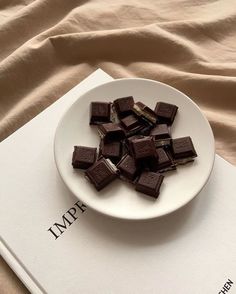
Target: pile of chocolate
x=136, y=145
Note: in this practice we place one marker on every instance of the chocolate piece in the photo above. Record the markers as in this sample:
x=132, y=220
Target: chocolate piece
x=144, y=111
x=100, y=112
x=130, y=125
x=165, y=143
x=130, y=139
x=149, y=183
x=124, y=148
x=111, y=150
x=133, y=125
x=111, y=132
x=160, y=132
x=102, y=173
x=183, y=150
x=165, y=112
x=128, y=168
x=164, y=161
x=134, y=131
x=83, y=157
x=124, y=106
x=145, y=131
x=150, y=163
x=143, y=148
x=161, y=135
x=130, y=122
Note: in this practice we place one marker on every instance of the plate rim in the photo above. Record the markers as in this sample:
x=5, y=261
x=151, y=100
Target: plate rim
x=138, y=218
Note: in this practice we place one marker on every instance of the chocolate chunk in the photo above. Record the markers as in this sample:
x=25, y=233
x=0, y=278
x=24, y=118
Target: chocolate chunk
x=101, y=173
x=132, y=125
x=130, y=122
x=161, y=135
x=128, y=168
x=124, y=106
x=164, y=161
x=143, y=148
x=111, y=150
x=145, y=130
x=111, y=132
x=144, y=111
x=100, y=112
x=124, y=148
x=165, y=112
x=150, y=163
x=149, y=183
x=83, y=157
x=165, y=143
x=130, y=139
x=140, y=129
x=160, y=132
x=183, y=150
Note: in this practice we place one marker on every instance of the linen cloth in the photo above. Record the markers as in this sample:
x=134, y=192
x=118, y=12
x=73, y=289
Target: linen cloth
x=49, y=46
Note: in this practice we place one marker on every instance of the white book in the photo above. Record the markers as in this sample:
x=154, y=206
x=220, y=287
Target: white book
x=192, y=251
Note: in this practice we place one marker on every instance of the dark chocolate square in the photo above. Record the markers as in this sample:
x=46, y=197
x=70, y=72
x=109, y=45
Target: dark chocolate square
x=149, y=183
x=102, y=173
x=183, y=149
x=130, y=139
x=143, y=148
x=83, y=157
x=150, y=163
x=144, y=111
x=161, y=135
x=111, y=132
x=130, y=122
x=100, y=112
x=160, y=131
x=128, y=168
x=124, y=106
x=111, y=150
x=165, y=163
x=146, y=129
x=139, y=129
x=166, y=112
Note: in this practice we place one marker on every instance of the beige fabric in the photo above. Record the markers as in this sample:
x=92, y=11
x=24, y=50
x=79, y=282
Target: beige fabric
x=9, y=283
x=48, y=46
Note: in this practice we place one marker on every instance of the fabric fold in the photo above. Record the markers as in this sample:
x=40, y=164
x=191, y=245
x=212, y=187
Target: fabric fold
x=47, y=47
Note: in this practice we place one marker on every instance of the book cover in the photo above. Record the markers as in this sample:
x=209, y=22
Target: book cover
x=57, y=245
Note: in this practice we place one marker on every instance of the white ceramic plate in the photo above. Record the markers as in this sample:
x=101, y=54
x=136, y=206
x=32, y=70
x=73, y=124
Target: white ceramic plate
x=120, y=199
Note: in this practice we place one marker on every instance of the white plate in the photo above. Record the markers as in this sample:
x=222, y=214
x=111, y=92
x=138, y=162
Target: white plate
x=120, y=199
